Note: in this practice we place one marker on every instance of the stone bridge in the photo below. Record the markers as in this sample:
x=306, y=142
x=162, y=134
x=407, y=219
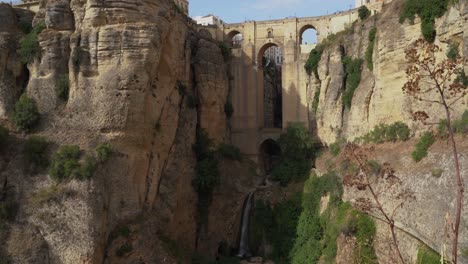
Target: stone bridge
x=247, y=82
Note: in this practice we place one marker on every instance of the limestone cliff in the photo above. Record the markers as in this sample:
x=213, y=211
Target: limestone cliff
x=379, y=98
x=141, y=78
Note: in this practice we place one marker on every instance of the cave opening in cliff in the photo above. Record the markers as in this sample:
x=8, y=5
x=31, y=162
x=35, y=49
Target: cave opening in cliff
x=270, y=153
x=271, y=85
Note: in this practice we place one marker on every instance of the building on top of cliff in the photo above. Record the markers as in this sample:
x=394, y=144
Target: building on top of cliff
x=31, y=5
x=183, y=5
x=208, y=20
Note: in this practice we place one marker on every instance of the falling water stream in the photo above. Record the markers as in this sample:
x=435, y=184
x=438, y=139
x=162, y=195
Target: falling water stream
x=244, y=250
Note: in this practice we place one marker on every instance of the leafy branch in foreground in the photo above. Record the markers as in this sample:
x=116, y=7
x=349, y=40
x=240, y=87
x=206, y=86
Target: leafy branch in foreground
x=432, y=81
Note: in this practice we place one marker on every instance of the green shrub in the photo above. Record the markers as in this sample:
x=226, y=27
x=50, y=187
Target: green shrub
x=65, y=163
x=29, y=45
x=88, y=167
x=207, y=176
x=104, y=152
x=427, y=255
x=422, y=146
x=124, y=249
x=381, y=133
x=315, y=103
x=225, y=51
x=297, y=149
x=335, y=149
x=353, y=68
x=35, y=150
x=461, y=125
x=228, y=109
x=62, y=87
x=26, y=115
x=364, y=12
x=453, y=51
x=25, y=27
x=207, y=170
x=462, y=78
x=230, y=152
x=77, y=56
x=370, y=49
x=428, y=11
x=312, y=63
x=4, y=133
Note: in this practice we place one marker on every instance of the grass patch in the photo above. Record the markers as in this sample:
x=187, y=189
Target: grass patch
x=46, y=195
x=422, y=146
x=26, y=114
x=353, y=69
x=381, y=133
x=427, y=255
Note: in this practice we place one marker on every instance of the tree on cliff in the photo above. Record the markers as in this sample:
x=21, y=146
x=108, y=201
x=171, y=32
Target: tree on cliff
x=386, y=195
x=435, y=81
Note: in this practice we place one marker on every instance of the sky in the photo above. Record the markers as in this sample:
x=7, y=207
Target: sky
x=242, y=10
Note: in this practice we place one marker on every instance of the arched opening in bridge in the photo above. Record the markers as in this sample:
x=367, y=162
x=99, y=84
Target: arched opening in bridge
x=235, y=39
x=270, y=153
x=270, y=62
x=308, y=39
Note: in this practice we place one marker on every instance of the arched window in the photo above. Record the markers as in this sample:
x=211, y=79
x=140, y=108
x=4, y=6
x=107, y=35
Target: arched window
x=270, y=33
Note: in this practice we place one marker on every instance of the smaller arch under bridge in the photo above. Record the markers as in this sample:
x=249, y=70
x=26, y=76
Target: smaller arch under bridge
x=247, y=96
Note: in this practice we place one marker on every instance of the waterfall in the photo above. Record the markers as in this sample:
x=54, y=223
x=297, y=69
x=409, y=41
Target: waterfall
x=244, y=250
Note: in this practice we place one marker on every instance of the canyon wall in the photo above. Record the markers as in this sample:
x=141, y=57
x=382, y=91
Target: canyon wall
x=141, y=78
x=379, y=98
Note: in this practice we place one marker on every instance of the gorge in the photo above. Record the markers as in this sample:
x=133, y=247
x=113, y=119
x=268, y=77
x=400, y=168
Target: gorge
x=130, y=134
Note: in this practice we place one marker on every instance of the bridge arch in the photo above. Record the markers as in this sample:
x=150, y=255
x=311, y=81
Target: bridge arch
x=234, y=38
x=307, y=28
x=270, y=85
x=264, y=47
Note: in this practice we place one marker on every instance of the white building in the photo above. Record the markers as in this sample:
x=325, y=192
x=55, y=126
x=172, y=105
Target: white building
x=208, y=20
x=274, y=54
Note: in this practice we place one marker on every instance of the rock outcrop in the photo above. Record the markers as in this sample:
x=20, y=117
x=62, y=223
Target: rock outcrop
x=379, y=99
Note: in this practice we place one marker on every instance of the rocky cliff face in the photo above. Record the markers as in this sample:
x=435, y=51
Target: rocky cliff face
x=379, y=98
x=135, y=69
